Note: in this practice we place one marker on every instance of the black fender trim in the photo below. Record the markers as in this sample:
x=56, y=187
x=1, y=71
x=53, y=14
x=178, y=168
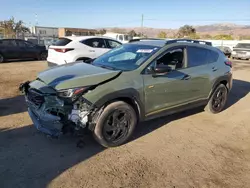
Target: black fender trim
x=227, y=77
x=131, y=94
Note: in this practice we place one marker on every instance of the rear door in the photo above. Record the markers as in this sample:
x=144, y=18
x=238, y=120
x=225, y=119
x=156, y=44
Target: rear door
x=10, y=49
x=27, y=49
x=199, y=71
x=97, y=47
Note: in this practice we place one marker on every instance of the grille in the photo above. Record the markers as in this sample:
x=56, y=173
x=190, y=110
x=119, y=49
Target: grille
x=35, y=97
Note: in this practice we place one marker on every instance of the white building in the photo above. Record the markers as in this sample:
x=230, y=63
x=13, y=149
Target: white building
x=45, y=31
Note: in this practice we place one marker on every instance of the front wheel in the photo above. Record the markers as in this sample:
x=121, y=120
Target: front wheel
x=115, y=125
x=218, y=100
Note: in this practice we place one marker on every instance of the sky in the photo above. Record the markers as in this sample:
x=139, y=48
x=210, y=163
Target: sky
x=128, y=13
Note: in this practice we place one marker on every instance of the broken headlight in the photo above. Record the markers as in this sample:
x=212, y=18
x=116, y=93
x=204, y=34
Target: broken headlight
x=69, y=93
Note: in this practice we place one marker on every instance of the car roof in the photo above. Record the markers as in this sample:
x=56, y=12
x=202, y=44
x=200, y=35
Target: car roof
x=163, y=42
x=151, y=42
x=79, y=38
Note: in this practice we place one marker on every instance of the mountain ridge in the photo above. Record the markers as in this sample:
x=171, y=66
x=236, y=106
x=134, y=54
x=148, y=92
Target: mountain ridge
x=235, y=30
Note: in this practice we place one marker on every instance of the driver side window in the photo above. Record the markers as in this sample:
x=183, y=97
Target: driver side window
x=174, y=59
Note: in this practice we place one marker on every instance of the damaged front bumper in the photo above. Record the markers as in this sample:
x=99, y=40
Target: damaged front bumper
x=50, y=126
x=50, y=114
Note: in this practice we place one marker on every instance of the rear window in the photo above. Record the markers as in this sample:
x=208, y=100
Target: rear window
x=62, y=42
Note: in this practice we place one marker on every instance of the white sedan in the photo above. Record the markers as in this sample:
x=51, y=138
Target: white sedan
x=75, y=48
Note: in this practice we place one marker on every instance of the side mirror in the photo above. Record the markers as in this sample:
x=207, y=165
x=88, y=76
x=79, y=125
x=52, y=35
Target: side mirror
x=89, y=61
x=161, y=70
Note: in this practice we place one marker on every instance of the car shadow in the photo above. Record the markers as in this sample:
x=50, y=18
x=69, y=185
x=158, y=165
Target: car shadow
x=239, y=90
x=12, y=105
x=30, y=159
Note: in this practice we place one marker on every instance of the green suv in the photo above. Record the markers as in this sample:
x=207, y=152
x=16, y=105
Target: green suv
x=135, y=82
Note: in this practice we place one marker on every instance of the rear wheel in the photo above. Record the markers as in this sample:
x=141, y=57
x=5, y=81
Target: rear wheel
x=43, y=56
x=115, y=125
x=1, y=58
x=218, y=100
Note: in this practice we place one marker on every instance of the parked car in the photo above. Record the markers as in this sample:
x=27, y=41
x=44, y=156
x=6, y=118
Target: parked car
x=20, y=49
x=241, y=51
x=226, y=50
x=123, y=38
x=74, y=48
x=135, y=82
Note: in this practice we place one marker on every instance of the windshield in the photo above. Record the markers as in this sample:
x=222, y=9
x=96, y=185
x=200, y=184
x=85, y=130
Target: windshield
x=126, y=57
x=243, y=45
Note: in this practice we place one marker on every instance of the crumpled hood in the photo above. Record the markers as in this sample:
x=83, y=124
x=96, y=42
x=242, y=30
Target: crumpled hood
x=75, y=75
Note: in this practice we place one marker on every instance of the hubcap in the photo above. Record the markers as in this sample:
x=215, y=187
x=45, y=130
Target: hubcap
x=43, y=56
x=117, y=125
x=219, y=99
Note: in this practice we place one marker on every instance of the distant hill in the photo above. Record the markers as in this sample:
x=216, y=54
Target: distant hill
x=213, y=29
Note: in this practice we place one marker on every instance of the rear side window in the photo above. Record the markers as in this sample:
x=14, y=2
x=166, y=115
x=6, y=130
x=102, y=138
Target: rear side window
x=95, y=43
x=212, y=56
x=62, y=42
x=197, y=56
x=112, y=43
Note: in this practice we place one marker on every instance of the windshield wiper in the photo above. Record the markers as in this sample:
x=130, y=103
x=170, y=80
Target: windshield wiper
x=107, y=67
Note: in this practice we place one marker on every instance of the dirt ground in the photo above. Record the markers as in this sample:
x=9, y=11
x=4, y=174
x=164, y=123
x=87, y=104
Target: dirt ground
x=189, y=149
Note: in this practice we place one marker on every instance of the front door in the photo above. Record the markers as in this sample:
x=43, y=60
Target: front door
x=181, y=85
x=10, y=49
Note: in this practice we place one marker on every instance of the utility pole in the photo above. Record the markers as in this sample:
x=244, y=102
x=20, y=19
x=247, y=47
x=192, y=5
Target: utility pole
x=142, y=25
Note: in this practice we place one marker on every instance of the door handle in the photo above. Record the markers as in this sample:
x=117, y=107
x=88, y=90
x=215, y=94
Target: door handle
x=91, y=50
x=186, y=77
x=214, y=68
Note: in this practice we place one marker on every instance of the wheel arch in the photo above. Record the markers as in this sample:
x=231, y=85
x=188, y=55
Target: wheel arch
x=225, y=80
x=130, y=96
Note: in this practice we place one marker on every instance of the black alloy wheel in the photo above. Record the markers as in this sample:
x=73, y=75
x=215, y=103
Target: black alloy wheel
x=219, y=99
x=117, y=125
x=43, y=56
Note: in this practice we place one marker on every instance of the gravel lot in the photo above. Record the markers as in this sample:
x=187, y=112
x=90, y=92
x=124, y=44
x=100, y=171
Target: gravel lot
x=190, y=149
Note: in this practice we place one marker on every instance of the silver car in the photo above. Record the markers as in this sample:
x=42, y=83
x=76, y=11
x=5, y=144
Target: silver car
x=241, y=51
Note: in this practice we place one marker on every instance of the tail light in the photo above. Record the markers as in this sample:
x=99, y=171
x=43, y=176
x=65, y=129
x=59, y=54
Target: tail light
x=228, y=63
x=63, y=50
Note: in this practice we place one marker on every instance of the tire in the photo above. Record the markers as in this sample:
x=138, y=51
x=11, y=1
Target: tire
x=107, y=132
x=1, y=58
x=218, y=98
x=43, y=56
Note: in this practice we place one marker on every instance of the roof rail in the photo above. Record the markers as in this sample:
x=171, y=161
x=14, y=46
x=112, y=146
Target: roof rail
x=140, y=39
x=189, y=40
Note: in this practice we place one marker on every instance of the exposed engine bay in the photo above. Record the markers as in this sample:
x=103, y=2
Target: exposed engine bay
x=54, y=115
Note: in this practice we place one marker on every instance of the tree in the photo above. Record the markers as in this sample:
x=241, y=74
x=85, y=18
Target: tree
x=132, y=33
x=101, y=31
x=11, y=28
x=186, y=31
x=223, y=37
x=206, y=36
x=162, y=34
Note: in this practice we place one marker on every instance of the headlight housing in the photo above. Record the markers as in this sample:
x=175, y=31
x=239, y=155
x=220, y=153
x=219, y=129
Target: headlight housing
x=69, y=93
